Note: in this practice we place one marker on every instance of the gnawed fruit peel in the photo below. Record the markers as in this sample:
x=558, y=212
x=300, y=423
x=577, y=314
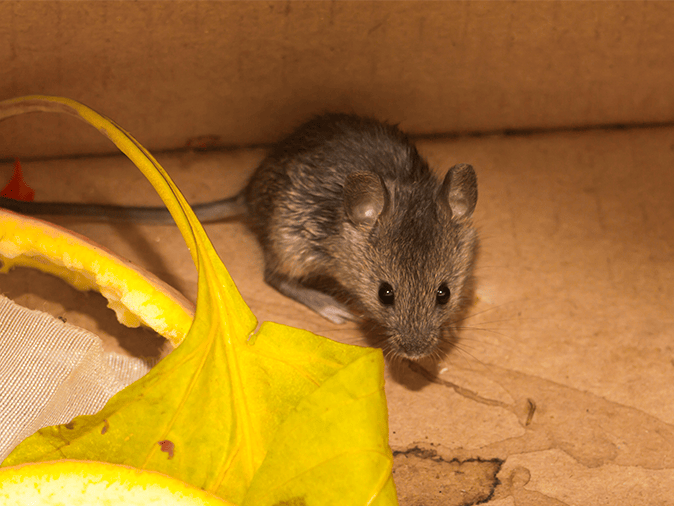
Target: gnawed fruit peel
x=136, y=296
x=85, y=483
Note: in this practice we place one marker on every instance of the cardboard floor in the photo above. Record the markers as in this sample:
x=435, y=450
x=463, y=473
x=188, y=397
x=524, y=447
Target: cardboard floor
x=560, y=389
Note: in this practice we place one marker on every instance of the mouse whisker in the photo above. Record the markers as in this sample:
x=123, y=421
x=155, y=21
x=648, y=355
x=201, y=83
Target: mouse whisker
x=482, y=329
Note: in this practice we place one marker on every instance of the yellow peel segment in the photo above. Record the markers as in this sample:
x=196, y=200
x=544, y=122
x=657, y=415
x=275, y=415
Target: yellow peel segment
x=75, y=483
x=135, y=295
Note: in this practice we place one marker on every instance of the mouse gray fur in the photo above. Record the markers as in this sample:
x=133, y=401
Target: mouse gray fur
x=350, y=200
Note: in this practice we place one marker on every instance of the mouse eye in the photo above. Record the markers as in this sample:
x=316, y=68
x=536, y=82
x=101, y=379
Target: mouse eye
x=386, y=295
x=442, y=295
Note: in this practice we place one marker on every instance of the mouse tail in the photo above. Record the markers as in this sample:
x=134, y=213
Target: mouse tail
x=206, y=212
x=217, y=210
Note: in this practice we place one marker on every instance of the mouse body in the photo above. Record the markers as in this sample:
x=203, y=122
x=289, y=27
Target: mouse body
x=353, y=224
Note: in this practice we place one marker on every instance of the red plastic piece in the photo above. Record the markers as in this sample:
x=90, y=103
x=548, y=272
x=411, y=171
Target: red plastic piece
x=17, y=188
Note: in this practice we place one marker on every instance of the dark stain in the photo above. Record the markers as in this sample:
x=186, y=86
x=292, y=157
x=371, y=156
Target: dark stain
x=423, y=477
x=295, y=501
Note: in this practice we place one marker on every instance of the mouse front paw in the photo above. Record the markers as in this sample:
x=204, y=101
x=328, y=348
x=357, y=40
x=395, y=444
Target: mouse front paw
x=336, y=313
x=320, y=302
x=324, y=305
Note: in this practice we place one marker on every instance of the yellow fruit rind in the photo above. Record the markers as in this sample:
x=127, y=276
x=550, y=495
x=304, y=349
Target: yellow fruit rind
x=79, y=482
x=135, y=296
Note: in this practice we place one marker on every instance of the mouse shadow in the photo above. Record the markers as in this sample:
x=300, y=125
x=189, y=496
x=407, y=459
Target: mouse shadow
x=414, y=375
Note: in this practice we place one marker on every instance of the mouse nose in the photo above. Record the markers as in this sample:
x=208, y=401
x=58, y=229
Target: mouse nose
x=417, y=344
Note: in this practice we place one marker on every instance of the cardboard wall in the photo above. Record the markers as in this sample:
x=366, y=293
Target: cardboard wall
x=179, y=74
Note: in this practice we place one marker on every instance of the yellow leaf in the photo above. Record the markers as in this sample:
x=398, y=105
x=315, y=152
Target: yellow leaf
x=277, y=417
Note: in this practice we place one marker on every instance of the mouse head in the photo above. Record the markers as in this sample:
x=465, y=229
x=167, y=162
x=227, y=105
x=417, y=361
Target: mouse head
x=417, y=245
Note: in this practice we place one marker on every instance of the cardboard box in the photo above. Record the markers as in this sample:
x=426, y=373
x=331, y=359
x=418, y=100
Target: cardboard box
x=239, y=73
x=559, y=389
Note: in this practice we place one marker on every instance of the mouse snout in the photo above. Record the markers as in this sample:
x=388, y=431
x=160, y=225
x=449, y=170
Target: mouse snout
x=415, y=343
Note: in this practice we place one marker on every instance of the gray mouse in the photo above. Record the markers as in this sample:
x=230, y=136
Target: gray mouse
x=352, y=224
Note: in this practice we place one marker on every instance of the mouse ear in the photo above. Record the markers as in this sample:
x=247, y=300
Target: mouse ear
x=365, y=198
x=459, y=190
